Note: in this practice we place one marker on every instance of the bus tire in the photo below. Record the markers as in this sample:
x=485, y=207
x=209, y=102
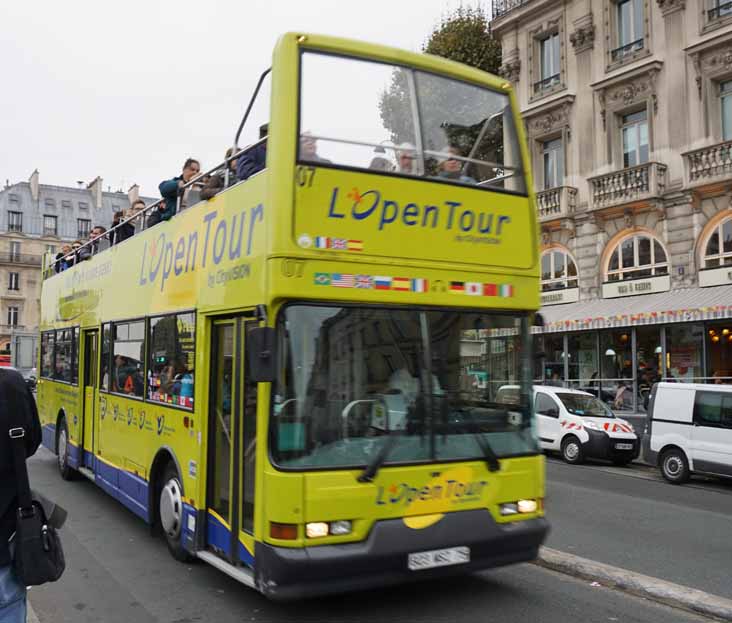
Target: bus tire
x=170, y=512
x=62, y=450
x=675, y=466
x=572, y=450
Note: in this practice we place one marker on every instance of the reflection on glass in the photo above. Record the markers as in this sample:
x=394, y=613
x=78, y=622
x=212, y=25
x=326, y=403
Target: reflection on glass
x=351, y=377
x=583, y=364
x=684, y=347
x=222, y=406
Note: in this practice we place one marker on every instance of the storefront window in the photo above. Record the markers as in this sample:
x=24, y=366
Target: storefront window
x=616, y=382
x=553, y=359
x=719, y=352
x=649, y=362
x=684, y=347
x=583, y=365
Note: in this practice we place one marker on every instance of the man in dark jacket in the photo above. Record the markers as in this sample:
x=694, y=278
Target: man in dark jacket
x=170, y=190
x=16, y=399
x=255, y=159
x=217, y=182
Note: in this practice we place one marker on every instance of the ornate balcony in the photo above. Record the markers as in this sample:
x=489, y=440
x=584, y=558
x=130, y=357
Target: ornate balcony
x=709, y=164
x=556, y=203
x=639, y=183
x=501, y=7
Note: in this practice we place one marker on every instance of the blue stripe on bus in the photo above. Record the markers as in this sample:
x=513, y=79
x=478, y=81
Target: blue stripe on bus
x=219, y=536
x=49, y=437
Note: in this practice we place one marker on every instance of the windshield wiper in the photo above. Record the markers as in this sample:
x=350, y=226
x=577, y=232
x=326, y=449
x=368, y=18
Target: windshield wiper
x=370, y=471
x=489, y=455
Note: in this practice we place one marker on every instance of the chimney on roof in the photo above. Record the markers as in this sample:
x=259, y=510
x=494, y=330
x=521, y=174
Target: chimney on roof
x=133, y=194
x=80, y=183
x=95, y=187
x=34, y=185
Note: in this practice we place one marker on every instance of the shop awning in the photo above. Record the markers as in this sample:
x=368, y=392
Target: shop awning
x=683, y=305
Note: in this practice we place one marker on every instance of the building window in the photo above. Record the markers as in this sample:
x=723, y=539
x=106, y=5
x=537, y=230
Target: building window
x=718, y=9
x=50, y=227
x=549, y=59
x=50, y=248
x=172, y=358
x=65, y=203
x=83, y=205
x=558, y=270
x=13, y=316
x=637, y=257
x=128, y=350
x=552, y=153
x=14, y=281
x=15, y=221
x=83, y=227
x=718, y=250
x=629, y=22
x=635, y=139
x=725, y=98
x=15, y=251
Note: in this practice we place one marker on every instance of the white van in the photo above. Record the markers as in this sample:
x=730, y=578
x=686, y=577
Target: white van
x=580, y=426
x=689, y=430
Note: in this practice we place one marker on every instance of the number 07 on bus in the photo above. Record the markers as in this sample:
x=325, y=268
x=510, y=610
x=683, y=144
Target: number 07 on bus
x=297, y=380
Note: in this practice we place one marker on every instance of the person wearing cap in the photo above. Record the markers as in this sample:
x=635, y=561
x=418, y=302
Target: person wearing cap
x=451, y=168
x=309, y=148
x=405, y=159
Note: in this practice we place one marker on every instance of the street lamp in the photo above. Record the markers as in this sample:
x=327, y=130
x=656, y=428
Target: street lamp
x=610, y=352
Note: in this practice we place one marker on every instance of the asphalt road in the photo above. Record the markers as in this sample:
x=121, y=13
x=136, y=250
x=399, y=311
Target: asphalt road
x=631, y=518
x=118, y=573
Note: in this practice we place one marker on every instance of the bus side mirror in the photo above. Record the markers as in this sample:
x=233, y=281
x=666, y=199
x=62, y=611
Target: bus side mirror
x=261, y=351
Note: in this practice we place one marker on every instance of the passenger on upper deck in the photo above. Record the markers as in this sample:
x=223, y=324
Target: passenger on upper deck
x=450, y=168
x=99, y=242
x=405, y=159
x=62, y=264
x=255, y=159
x=170, y=190
x=127, y=228
x=216, y=183
x=309, y=148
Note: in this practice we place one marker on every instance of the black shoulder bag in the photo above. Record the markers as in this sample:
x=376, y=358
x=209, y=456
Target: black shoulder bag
x=39, y=557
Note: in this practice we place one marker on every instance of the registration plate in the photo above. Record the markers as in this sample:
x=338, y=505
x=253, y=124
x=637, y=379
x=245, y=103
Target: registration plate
x=438, y=558
x=623, y=446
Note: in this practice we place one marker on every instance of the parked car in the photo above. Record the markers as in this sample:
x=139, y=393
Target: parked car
x=689, y=430
x=578, y=425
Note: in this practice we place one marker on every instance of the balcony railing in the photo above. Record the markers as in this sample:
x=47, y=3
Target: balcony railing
x=637, y=183
x=501, y=7
x=556, y=203
x=709, y=163
x=625, y=50
x=20, y=258
x=546, y=83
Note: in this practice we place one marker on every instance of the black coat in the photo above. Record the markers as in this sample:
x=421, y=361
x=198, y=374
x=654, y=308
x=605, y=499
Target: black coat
x=16, y=398
x=126, y=230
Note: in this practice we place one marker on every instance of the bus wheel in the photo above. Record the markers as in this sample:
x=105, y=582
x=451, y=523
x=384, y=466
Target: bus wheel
x=170, y=512
x=674, y=466
x=572, y=450
x=62, y=451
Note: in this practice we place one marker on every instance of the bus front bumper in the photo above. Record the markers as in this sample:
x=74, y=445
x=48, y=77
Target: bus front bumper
x=290, y=573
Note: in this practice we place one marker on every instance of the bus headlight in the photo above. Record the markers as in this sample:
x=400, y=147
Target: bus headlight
x=527, y=506
x=339, y=528
x=320, y=529
x=521, y=507
x=316, y=529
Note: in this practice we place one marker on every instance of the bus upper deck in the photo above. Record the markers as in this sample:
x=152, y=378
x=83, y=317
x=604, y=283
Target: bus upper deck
x=296, y=379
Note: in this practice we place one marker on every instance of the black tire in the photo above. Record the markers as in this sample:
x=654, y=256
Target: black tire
x=62, y=451
x=170, y=512
x=572, y=450
x=675, y=466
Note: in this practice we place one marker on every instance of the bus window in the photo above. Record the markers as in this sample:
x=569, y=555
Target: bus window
x=128, y=349
x=75, y=356
x=63, y=364
x=104, y=362
x=172, y=357
x=48, y=340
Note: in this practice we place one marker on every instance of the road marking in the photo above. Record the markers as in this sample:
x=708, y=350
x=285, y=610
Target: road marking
x=664, y=592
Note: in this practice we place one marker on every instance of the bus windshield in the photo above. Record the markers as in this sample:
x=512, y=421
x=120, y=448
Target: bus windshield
x=351, y=377
x=370, y=115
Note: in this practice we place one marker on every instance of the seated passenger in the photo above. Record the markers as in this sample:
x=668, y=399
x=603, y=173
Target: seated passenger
x=62, y=261
x=217, y=182
x=379, y=162
x=405, y=159
x=170, y=190
x=452, y=169
x=309, y=149
x=254, y=160
x=99, y=242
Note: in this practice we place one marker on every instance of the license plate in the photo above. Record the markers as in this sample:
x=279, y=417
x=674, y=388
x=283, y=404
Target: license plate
x=623, y=446
x=438, y=558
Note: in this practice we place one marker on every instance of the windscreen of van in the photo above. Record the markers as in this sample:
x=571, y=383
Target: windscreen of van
x=587, y=406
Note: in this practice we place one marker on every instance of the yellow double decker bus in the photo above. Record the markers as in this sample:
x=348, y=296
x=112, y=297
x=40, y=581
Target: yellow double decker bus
x=299, y=380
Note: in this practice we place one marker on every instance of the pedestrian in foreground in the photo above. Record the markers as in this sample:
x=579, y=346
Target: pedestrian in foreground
x=16, y=398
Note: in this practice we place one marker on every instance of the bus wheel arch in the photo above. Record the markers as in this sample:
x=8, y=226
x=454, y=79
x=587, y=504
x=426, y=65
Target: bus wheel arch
x=62, y=446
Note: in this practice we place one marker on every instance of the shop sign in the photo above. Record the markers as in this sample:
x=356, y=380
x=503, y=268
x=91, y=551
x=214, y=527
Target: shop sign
x=634, y=287
x=557, y=297
x=715, y=276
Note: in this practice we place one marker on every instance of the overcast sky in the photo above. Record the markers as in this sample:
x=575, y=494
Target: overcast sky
x=127, y=90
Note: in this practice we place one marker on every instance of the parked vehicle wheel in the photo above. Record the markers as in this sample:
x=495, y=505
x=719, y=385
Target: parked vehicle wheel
x=62, y=451
x=572, y=450
x=675, y=466
x=170, y=512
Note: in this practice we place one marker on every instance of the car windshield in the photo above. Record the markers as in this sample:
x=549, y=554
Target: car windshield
x=588, y=406
x=407, y=122
x=352, y=377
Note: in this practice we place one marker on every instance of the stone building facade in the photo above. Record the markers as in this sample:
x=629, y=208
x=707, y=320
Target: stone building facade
x=36, y=219
x=628, y=113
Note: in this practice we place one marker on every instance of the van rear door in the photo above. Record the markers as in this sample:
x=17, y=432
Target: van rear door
x=712, y=432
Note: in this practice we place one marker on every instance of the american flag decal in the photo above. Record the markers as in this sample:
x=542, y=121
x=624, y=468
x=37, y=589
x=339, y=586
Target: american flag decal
x=341, y=280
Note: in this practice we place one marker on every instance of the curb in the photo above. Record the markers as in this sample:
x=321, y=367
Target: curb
x=646, y=586
x=32, y=618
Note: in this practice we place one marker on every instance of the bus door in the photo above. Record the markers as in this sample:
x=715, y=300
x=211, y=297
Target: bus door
x=89, y=424
x=231, y=444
